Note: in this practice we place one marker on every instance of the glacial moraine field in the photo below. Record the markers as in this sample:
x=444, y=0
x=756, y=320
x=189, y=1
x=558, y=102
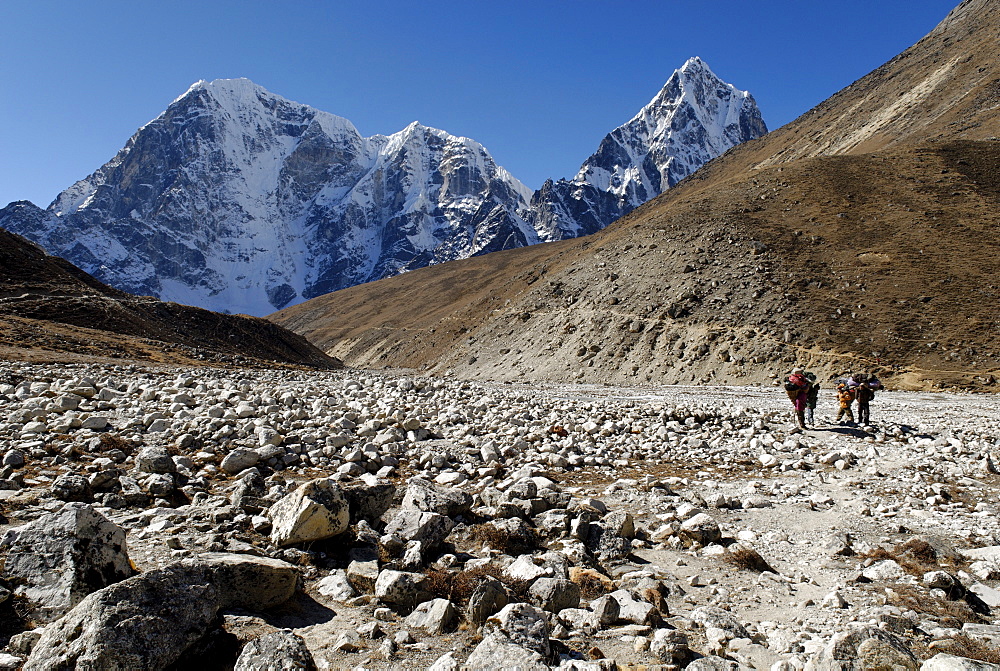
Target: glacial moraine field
x=209, y=518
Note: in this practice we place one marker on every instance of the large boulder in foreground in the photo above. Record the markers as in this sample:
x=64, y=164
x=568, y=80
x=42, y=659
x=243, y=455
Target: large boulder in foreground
x=60, y=558
x=150, y=620
x=312, y=512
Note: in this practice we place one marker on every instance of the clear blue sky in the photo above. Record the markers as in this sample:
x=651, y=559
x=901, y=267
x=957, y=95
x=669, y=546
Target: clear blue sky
x=538, y=83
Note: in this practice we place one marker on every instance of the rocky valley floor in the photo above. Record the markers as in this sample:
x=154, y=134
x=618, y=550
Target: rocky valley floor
x=202, y=518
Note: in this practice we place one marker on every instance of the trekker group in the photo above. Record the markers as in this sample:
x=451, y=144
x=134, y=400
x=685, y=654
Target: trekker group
x=803, y=388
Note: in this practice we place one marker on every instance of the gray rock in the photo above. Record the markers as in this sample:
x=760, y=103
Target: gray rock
x=60, y=558
x=865, y=647
x=155, y=459
x=368, y=501
x=424, y=495
x=714, y=663
x=700, y=530
x=488, y=597
x=711, y=617
x=145, y=622
x=401, y=588
x=523, y=625
x=72, y=487
x=606, y=609
x=945, y=662
x=280, y=651
x=314, y=511
x=633, y=610
x=436, y=617
x=337, y=586
x=239, y=460
x=148, y=621
x=670, y=646
x=554, y=594
x=430, y=529
x=498, y=653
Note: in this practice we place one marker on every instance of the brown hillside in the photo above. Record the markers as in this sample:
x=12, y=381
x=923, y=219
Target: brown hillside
x=48, y=304
x=864, y=234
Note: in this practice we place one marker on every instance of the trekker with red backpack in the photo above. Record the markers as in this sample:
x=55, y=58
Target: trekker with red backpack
x=797, y=388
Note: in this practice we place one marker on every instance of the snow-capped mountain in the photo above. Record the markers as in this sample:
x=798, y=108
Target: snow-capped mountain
x=238, y=200
x=693, y=119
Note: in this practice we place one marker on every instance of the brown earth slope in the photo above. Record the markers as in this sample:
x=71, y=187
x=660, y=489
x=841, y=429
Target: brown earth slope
x=52, y=310
x=862, y=235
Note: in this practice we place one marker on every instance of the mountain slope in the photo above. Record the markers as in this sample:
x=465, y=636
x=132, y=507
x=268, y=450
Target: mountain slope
x=807, y=246
x=238, y=200
x=46, y=303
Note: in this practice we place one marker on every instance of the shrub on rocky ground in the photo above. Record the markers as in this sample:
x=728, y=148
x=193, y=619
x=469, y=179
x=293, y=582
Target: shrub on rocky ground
x=505, y=541
x=951, y=613
x=748, y=559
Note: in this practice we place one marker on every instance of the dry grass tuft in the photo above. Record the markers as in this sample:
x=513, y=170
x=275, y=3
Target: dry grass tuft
x=591, y=586
x=505, y=541
x=112, y=441
x=964, y=646
x=949, y=613
x=748, y=559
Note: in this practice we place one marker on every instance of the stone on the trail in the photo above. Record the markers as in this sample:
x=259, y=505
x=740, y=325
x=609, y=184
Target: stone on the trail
x=525, y=568
x=436, y=617
x=523, y=625
x=72, y=487
x=886, y=569
x=606, y=609
x=314, y=511
x=580, y=620
x=362, y=573
x=554, y=594
x=155, y=459
x=700, y=530
x=279, y=651
x=670, y=646
x=712, y=617
x=368, y=501
x=337, y=586
x=496, y=652
x=401, y=588
x=713, y=663
x=429, y=497
x=945, y=662
x=59, y=558
x=488, y=597
x=445, y=662
x=239, y=460
x=633, y=610
x=414, y=525
x=866, y=647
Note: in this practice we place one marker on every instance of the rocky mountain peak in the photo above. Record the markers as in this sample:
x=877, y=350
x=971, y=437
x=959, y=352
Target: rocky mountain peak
x=237, y=199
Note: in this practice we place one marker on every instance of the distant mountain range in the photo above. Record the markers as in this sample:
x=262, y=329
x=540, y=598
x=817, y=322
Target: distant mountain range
x=238, y=200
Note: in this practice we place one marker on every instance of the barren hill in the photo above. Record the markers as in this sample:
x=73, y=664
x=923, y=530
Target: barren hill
x=863, y=234
x=49, y=305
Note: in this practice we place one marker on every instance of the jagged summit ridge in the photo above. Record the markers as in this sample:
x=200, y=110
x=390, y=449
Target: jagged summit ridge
x=239, y=200
x=694, y=118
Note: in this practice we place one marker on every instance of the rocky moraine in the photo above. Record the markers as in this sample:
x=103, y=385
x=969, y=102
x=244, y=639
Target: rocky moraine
x=261, y=519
